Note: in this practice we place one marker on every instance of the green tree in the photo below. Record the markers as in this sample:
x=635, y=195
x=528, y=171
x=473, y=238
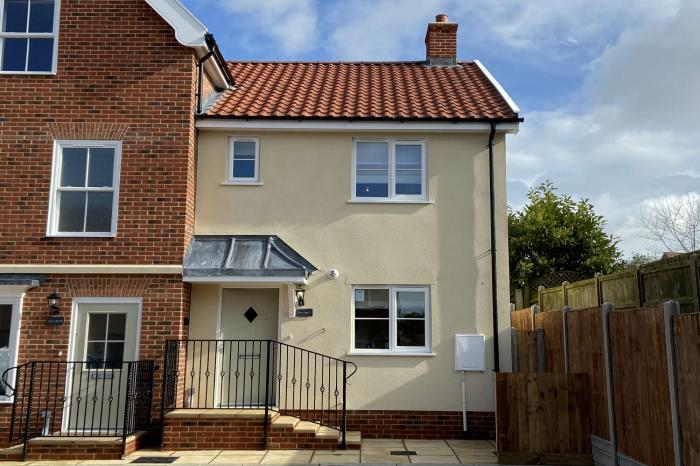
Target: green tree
x=555, y=233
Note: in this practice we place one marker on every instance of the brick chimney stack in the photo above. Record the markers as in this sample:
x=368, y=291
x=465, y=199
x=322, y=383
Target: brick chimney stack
x=441, y=42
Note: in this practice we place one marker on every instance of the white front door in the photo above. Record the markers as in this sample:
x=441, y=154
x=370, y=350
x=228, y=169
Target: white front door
x=249, y=317
x=105, y=339
x=9, y=311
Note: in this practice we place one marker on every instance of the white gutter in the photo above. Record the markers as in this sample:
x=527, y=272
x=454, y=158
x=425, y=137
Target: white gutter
x=246, y=280
x=499, y=88
x=190, y=32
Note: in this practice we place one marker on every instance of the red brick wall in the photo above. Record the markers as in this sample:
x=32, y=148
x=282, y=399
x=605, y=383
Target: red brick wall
x=121, y=76
x=213, y=434
x=166, y=301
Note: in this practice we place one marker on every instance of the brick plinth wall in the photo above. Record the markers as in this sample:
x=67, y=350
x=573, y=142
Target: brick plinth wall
x=69, y=449
x=213, y=434
x=421, y=424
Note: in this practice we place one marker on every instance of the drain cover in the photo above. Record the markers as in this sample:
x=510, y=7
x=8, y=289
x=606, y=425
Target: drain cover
x=403, y=453
x=155, y=459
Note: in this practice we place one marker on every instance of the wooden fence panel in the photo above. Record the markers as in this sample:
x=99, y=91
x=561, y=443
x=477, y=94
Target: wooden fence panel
x=585, y=342
x=672, y=280
x=640, y=386
x=527, y=351
x=621, y=289
x=551, y=299
x=553, y=339
x=686, y=330
x=582, y=294
x=522, y=320
x=542, y=417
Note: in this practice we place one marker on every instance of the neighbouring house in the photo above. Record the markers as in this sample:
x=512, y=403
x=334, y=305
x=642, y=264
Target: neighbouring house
x=97, y=156
x=240, y=254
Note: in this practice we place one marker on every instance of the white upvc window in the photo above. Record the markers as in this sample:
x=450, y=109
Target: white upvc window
x=84, y=188
x=390, y=319
x=386, y=170
x=28, y=36
x=244, y=160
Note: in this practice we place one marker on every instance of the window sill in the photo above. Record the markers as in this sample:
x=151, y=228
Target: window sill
x=77, y=235
x=29, y=73
x=390, y=201
x=392, y=353
x=242, y=183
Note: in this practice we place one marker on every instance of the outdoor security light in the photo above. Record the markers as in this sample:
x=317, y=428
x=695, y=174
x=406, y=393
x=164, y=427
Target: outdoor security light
x=299, y=294
x=53, y=300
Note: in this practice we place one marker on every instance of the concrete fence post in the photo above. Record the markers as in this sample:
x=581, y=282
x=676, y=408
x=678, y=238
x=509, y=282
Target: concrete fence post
x=535, y=309
x=540, y=350
x=672, y=308
x=606, y=309
x=565, y=336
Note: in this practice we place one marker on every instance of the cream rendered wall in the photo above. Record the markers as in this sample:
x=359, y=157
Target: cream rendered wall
x=306, y=186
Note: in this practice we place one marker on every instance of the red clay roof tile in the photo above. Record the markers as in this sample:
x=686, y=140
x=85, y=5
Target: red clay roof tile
x=405, y=90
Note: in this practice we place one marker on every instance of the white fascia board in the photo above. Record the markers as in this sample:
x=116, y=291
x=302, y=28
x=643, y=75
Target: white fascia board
x=351, y=126
x=190, y=32
x=88, y=268
x=499, y=88
x=247, y=280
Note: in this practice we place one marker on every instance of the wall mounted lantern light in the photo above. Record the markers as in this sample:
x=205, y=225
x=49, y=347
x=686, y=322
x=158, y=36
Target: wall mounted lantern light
x=299, y=295
x=53, y=300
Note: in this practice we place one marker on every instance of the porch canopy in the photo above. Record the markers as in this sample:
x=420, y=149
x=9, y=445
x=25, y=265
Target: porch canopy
x=243, y=258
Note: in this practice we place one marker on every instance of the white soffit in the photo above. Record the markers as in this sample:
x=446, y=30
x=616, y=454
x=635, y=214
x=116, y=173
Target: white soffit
x=499, y=88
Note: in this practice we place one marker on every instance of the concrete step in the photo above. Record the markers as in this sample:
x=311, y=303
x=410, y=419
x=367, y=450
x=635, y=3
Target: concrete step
x=285, y=421
x=305, y=427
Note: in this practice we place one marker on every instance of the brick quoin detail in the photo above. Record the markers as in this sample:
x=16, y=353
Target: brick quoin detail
x=121, y=75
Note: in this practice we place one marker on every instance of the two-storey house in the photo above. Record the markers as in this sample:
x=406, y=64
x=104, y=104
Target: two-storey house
x=357, y=211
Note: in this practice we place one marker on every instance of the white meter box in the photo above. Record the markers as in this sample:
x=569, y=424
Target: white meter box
x=470, y=352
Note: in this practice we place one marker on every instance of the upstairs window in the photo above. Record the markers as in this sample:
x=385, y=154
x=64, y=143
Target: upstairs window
x=85, y=189
x=244, y=161
x=28, y=36
x=389, y=169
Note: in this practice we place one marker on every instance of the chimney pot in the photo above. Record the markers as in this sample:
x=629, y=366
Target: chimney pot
x=441, y=42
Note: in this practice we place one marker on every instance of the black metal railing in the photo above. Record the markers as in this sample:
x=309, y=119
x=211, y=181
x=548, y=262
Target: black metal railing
x=256, y=374
x=79, y=399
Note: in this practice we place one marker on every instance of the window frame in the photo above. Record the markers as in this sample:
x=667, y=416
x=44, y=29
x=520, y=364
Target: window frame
x=391, y=192
x=33, y=35
x=103, y=364
x=230, y=179
x=394, y=348
x=54, y=202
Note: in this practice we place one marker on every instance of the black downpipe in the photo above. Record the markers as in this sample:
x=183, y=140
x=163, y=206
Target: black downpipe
x=494, y=282
x=201, y=77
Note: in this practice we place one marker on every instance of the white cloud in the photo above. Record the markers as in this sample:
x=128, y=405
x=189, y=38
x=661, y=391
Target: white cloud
x=291, y=24
x=633, y=136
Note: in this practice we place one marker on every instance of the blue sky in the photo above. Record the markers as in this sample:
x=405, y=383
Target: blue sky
x=610, y=89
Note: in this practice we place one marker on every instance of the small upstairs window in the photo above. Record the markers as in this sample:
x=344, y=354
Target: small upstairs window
x=85, y=189
x=28, y=36
x=244, y=161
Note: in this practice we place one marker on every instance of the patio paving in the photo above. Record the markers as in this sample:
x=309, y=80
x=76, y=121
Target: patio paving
x=372, y=451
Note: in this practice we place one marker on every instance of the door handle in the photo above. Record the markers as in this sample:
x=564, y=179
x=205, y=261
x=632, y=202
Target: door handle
x=249, y=356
